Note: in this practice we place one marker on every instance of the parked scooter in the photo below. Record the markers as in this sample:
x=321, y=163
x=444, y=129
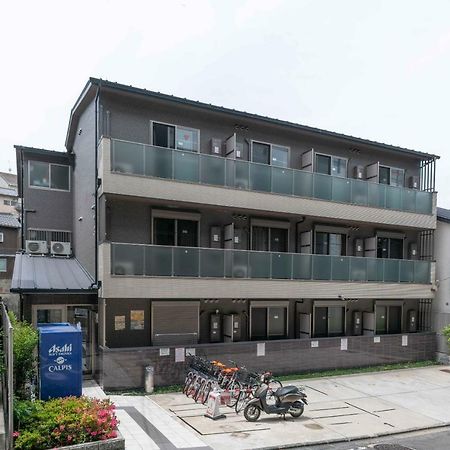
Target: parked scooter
x=288, y=400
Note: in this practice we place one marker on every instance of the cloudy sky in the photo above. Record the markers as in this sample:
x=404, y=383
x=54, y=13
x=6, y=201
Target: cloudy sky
x=375, y=69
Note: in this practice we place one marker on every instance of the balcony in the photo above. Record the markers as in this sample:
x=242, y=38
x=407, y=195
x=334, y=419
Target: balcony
x=164, y=163
x=163, y=261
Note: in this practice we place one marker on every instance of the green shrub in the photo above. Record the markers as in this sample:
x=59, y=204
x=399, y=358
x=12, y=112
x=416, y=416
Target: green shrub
x=446, y=333
x=25, y=340
x=64, y=421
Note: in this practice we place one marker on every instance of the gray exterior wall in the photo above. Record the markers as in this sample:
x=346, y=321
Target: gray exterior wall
x=52, y=209
x=84, y=244
x=124, y=368
x=441, y=302
x=120, y=213
x=129, y=119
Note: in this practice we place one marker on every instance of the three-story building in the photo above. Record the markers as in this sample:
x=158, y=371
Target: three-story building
x=278, y=245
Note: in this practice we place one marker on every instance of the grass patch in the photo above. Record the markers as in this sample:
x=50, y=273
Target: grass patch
x=297, y=376
x=356, y=370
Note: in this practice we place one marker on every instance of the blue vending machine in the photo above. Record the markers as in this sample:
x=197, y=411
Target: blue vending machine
x=60, y=360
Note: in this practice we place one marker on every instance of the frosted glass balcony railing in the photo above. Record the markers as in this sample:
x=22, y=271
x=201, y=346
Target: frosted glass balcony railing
x=165, y=261
x=150, y=161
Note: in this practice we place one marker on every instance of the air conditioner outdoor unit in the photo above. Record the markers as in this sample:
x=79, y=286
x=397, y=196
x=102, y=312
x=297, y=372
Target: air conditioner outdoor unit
x=60, y=248
x=37, y=247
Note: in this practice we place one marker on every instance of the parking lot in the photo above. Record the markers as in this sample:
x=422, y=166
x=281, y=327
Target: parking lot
x=340, y=408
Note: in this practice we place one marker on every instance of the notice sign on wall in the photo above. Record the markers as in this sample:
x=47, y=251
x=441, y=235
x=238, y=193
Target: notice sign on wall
x=119, y=323
x=405, y=340
x=179, y=355
x=261, y=349
x=137, y=319
x=344, y=343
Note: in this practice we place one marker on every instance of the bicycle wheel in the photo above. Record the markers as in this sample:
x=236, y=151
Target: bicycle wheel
x=192, y=389
x=187, y=382
x=243, y=398
x=206, y=392
x=234, y=390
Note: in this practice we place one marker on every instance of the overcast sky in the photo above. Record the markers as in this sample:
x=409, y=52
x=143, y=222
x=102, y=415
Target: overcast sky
x=374, y=69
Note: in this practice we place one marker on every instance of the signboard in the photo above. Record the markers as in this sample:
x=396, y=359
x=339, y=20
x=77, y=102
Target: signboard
x=60, y=360
x=137, y=319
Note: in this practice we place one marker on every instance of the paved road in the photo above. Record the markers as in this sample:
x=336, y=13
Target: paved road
x=426, y=440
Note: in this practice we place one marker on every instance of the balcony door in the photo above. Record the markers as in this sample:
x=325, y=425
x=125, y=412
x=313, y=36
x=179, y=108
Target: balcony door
x=268, y=239
x=175, y=232
x=268, y=322
x=329, y=321
x=388, y=319
x=330, y=165
x=390, y=248
x=330, y=243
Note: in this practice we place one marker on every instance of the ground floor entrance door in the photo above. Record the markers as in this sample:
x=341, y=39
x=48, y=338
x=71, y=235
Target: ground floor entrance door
x=79, y=315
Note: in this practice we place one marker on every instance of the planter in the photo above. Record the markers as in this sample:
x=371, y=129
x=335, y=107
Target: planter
x=117, y=443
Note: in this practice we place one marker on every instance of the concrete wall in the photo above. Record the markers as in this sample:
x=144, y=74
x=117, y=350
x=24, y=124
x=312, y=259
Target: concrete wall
x=84, y=244
x=441, y=302
x=124, y=368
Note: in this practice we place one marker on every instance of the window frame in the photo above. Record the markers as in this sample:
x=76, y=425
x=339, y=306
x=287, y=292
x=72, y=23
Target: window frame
x=390, y=175
x=271, y=145
x=176, y=129
x=176, y=216
x=331, y=164
x=49, y=188
x=6, y=265
x=266, y=305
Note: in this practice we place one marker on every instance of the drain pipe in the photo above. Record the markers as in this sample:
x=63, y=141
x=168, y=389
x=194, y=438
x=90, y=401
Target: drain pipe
x=97, y=95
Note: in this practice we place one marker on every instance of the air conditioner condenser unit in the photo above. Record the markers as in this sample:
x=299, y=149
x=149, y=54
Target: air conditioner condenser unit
x=36, y=247
x=60, y=248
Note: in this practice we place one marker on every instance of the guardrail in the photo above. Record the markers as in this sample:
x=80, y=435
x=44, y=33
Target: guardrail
x=166, y=261
x=146, y=160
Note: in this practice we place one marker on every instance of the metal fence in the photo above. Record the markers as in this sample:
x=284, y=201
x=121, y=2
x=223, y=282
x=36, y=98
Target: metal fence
x=7, y=376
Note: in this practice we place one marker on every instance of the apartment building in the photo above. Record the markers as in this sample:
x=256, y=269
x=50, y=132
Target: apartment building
x=9, y=243
x=210, y=230
x=441, y=303
x=8, y=193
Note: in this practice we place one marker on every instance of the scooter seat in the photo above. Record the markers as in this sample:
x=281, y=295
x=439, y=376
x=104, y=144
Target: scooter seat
x=280, y=392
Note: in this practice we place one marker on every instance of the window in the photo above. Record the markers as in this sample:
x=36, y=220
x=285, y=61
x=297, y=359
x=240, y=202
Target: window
x=3, y=265
x=174, y=136
x=330, y=244
x=267, y=239
x=268, y=322
x=175, y=232
x=10, y=202
x=388, y=319
x=50, y=176
x=331, y=165
x=389, y=248
x=276, y=155
x=391, y=176
x=329, y=321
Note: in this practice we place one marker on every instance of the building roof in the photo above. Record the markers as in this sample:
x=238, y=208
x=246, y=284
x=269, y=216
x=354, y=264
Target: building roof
x=39, y=274
x=8, y=192
x=92, y=86
x=10, y=178
x=443, y=214
x=9, y=221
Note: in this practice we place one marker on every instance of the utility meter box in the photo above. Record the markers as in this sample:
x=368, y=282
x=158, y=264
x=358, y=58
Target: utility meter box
x=215, y=334
x=412, y=321
x=357, y=323
x=60, y=360
x=232, y=327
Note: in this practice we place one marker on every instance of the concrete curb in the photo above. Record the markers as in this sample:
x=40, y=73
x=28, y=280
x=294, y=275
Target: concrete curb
x=356, y=438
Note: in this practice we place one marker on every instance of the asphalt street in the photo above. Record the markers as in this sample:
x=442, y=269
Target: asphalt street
x=420, y=440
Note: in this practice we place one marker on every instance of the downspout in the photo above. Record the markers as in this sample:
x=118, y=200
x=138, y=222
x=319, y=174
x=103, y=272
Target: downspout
x=97, y=95
x=22, y=206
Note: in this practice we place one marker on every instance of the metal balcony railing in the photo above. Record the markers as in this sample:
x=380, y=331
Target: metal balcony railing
x=160, y=162
x=166, y=261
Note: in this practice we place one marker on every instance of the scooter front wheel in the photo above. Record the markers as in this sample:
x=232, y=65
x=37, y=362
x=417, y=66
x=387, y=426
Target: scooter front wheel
x=252, y=413
x=296, y=410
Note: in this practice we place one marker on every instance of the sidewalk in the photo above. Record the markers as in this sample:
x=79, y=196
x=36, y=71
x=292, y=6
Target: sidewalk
x=340, y=409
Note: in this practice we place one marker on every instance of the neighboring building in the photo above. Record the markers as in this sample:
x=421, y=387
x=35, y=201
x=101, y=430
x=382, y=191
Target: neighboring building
x=9, y=243
x=441, y=304
x=8, y=193
x=202, y=226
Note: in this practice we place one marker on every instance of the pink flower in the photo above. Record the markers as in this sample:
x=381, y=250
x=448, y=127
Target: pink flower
x=16, y=434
